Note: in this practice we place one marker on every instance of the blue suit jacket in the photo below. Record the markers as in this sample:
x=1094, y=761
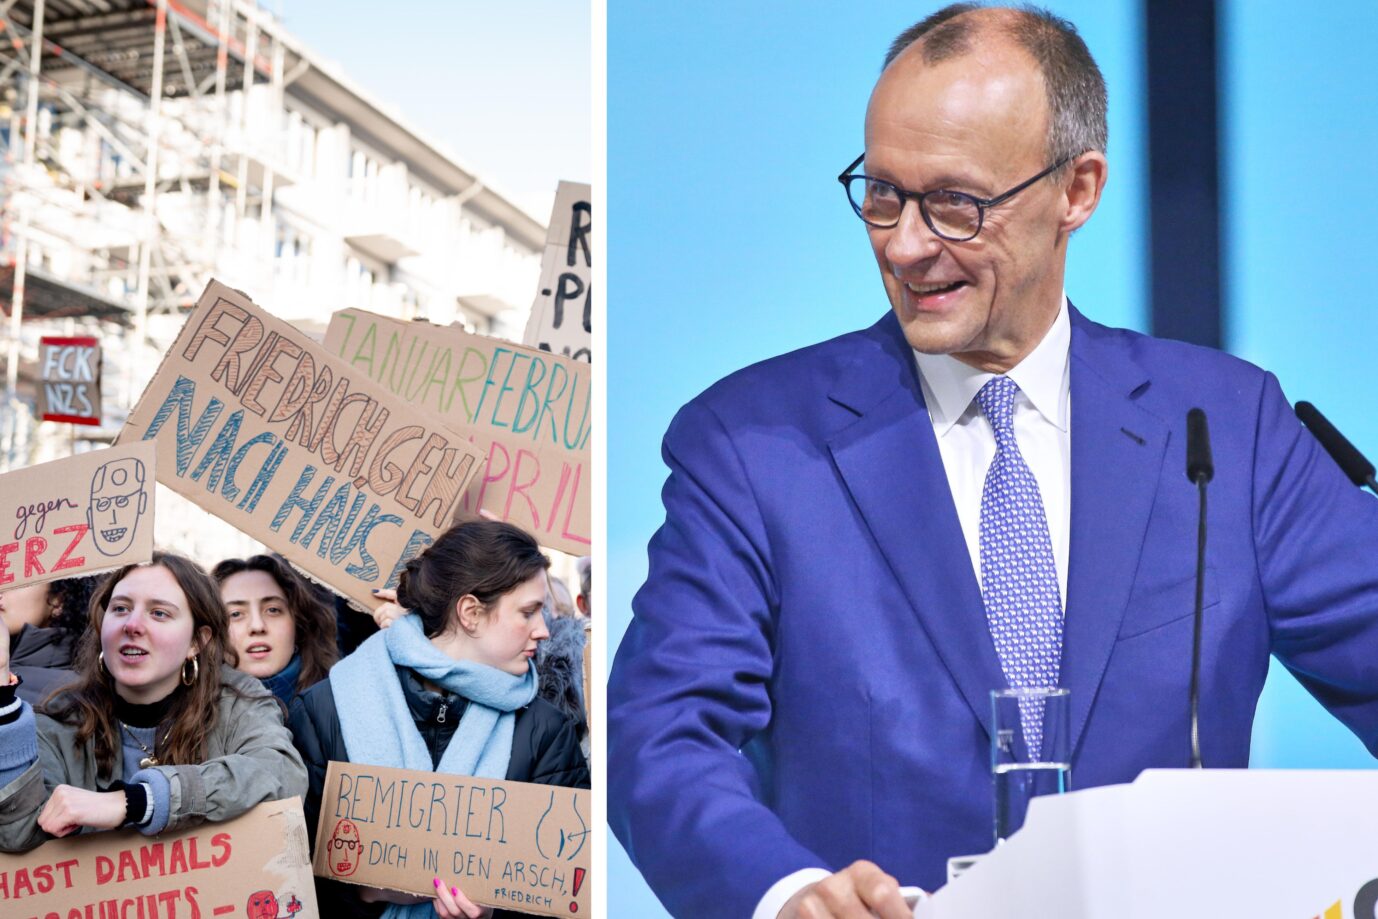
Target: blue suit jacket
x=806, y=680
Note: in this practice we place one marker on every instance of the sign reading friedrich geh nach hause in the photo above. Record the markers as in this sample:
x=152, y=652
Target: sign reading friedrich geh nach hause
x=256, y=423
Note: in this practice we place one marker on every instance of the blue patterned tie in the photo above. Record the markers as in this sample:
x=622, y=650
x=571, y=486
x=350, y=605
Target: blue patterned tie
x=1018, y=576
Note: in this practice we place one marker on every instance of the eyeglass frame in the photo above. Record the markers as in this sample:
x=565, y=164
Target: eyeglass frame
x=905, y=196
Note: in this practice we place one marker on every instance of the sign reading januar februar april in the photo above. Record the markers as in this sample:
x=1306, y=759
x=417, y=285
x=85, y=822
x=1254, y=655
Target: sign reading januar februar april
x=560, y=320
x=256, y=423
x=526, y=409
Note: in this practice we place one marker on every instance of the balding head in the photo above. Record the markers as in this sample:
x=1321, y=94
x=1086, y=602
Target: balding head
x=1073, y=86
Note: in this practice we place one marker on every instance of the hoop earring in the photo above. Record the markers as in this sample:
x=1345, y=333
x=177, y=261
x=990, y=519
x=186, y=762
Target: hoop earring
x=195, y=671
x=100, y=660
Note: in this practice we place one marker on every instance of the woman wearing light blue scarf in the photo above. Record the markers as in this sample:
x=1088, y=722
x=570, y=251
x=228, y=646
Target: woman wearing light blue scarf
x=469, y=650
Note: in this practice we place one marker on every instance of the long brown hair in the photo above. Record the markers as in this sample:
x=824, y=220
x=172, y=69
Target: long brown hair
x=314, y=621
x=90, y=702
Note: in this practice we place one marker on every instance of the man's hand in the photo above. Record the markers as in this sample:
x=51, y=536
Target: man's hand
x=859, y=891
x=70, y=808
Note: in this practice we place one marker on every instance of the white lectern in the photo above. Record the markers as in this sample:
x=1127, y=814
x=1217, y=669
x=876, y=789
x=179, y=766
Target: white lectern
x=1217, y=843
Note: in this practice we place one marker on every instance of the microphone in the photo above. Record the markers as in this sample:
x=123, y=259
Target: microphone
x=1200, y=470
x=1353, y=463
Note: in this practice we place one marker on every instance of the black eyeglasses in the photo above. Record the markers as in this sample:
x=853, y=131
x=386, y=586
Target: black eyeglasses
x=953, y=215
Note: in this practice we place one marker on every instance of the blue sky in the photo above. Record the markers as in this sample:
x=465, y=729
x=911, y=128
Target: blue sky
x=505, y=85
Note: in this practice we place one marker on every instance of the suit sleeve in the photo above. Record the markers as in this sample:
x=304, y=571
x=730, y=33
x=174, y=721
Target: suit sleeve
x=689, y=688
x=1316, y=538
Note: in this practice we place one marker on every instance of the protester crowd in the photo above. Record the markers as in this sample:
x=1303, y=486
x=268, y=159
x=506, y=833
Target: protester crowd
x=160, y=695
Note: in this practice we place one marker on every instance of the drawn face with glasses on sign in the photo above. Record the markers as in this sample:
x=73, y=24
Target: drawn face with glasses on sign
x=343, y=849
x=967, y=211
x=118, y=500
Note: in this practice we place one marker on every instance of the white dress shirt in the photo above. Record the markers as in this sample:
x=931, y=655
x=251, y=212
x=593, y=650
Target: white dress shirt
x=966, y=443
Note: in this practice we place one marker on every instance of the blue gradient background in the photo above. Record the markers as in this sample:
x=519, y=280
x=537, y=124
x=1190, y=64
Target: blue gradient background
x=729, y=241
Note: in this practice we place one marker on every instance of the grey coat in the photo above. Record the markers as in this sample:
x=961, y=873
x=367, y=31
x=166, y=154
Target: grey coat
x=249, y=759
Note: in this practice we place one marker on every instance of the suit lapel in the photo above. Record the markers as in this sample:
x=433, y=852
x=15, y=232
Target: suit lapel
x=888, y=458
x=1118, y=449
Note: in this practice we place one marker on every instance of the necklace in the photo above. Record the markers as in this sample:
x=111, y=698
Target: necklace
x=149, y=759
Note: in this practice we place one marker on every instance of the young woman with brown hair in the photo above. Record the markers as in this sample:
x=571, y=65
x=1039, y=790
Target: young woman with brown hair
x=282, y=631
x=452, y=689
x=158, y=731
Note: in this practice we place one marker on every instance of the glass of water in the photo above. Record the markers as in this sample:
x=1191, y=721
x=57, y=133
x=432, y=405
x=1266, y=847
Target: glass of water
x=1030, y=750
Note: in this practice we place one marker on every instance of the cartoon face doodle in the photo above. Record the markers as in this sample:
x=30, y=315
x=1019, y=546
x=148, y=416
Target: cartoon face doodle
x=262, y=905
x=118, y=500
x=345, y=849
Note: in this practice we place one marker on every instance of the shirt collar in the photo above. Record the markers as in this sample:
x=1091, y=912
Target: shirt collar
x=950, y=385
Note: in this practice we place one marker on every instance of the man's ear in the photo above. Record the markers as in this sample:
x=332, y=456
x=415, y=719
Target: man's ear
x=1088, y=175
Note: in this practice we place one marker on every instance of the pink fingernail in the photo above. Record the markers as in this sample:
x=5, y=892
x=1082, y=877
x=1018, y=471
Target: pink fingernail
x=454, y=891
x=437, y=882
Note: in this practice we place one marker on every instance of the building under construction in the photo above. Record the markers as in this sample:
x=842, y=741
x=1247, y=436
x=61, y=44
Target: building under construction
x=147, y=146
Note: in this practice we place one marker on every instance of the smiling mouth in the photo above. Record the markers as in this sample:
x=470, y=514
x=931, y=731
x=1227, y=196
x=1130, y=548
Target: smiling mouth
x=115, y=534
x=929, y=290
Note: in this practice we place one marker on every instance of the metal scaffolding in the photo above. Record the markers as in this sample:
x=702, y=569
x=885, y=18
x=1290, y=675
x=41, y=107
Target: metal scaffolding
x=148, y=145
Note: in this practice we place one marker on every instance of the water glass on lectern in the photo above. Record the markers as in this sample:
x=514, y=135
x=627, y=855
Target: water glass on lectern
x=1030, y=751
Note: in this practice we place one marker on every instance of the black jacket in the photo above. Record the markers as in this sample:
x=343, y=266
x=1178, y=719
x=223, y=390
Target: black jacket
x=43, y=659
x=545, y=751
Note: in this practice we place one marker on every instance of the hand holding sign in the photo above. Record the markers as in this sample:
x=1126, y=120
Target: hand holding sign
x=451, y=903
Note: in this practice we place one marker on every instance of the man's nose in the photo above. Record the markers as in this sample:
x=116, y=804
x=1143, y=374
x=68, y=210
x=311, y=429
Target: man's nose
x=911, y=240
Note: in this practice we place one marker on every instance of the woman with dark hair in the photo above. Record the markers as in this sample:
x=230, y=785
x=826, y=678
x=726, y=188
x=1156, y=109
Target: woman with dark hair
x=158, y=732
x=450, y=689
x=45, y=622
x=282, y=632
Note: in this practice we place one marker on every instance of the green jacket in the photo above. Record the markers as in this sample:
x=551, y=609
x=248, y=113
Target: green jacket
x=249, y=759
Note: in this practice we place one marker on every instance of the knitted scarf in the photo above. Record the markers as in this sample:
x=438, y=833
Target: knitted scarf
x=283, y=684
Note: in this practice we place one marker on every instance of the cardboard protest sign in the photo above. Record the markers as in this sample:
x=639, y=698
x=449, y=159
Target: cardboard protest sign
x=69, y=379
x=257, y=424
x=507, y=844
x=254, y=866
x=527, y=410
x=79, y=515
x=559, y=320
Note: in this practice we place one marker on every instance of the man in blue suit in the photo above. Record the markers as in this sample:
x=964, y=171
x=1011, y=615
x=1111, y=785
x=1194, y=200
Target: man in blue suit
x=983, y=489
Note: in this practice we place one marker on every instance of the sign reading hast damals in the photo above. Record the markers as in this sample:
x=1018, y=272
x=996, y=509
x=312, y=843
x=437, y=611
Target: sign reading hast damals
x=255, y=866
